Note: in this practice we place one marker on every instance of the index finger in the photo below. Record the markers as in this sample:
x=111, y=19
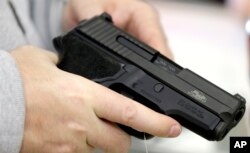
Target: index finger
x=144, y=24
x=147, y=25
x=117, y=108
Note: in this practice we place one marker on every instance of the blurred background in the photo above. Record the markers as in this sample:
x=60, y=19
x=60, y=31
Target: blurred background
x=209, y=37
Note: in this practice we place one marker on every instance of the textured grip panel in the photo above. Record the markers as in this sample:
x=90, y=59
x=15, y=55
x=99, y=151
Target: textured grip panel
x=82, y=58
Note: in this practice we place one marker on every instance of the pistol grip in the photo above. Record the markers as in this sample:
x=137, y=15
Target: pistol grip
x=85, y=59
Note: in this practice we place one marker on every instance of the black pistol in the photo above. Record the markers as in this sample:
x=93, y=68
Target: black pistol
x=98, y=50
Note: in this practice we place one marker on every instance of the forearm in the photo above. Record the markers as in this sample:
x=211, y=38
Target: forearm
x=12, y=106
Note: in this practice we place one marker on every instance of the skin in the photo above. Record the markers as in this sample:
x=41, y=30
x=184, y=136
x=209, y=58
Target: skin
x=66, y=113
x=241, y=7
x=134, y=16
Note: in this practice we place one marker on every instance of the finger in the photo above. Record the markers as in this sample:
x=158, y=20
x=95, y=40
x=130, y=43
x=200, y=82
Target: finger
x=146, y=25
x=143, y=24
x=53, y=57
x=83, y=12
x=119, y=109
x=92, y=130
x=109, y=138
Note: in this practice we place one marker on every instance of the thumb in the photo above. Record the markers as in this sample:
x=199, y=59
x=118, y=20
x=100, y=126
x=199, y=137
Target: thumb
x=52, y=56
x=32, y=53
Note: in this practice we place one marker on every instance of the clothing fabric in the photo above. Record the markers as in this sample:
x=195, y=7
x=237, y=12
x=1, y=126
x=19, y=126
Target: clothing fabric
x=22, y=22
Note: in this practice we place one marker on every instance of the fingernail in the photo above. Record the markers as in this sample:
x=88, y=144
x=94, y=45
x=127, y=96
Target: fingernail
x=175, y=130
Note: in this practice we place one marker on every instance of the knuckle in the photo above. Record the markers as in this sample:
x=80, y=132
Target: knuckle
x=79, y=130
x=145, y=6
x=77, y=101
x=129, y=114
x=71, y=91
x=76, y=97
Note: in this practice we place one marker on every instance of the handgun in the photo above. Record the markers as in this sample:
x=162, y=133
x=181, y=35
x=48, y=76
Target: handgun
x=98, y=50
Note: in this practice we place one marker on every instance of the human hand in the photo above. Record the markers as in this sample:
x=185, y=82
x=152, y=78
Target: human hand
x=134, y=16
x=241, y=7
x=68, y=113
